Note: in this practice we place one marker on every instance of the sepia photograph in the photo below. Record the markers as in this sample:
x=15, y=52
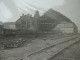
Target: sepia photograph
x=39, y=29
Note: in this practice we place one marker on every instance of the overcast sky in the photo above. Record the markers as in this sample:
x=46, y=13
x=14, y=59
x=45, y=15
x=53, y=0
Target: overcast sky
x=10, y=10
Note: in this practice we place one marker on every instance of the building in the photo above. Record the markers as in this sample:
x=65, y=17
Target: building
x=45, y=24
x=9, y=28
x=1, y=28
x=26, y=23
x=64, y=24
x=66, y=27
x=50, y=22
x=37, y=15
x=57, y=16
x=9, y=25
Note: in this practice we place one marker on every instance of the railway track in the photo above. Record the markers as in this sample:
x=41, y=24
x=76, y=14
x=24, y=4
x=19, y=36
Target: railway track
x=60, y=42
x=48, y=52
x=63, y=58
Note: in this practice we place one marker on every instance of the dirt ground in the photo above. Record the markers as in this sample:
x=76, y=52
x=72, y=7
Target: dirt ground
x=72, y=53
x=36, y=44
